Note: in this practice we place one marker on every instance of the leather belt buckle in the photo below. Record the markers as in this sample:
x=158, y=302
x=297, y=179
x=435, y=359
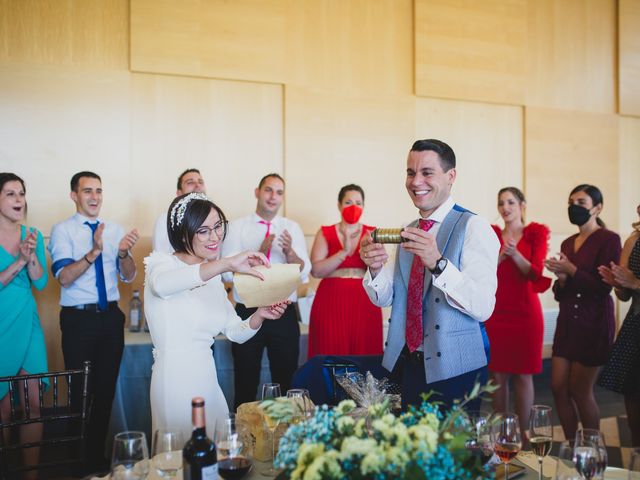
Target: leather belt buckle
x=93, y=307
x=416, y=357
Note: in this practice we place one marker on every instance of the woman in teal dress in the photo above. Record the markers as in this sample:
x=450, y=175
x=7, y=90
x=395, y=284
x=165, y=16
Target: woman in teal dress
x=22, y=264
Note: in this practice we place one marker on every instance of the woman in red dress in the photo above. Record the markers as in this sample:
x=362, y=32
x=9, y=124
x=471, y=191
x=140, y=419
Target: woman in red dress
x=586, y=323
x=516, y=327
x=343, y=319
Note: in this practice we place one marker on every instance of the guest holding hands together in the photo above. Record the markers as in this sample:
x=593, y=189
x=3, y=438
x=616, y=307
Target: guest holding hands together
x=516, y=327
x=586, y=324
x=187, y=306
x=343, y=319
x=621, y=373
x=22, y=264
x=281, y=241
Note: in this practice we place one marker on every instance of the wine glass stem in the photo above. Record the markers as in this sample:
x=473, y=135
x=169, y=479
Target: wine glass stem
x=540, y=472
x=506, y=471
x=273, y=445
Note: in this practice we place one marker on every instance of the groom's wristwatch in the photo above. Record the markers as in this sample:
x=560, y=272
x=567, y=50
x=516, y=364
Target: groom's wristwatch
x=441, y=264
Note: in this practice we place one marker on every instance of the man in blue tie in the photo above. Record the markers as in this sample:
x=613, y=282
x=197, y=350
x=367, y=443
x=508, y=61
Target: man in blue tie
x=88, y=256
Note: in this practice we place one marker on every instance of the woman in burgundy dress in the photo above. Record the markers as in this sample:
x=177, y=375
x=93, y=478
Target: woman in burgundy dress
x=586, y=324
x=516, y=327
x=343, y=319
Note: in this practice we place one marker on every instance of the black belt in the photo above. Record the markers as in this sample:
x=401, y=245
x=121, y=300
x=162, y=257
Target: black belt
x=93, y=307
x=416, y=356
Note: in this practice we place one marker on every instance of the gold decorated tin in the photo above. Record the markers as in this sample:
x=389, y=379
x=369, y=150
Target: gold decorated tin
x=387, y=235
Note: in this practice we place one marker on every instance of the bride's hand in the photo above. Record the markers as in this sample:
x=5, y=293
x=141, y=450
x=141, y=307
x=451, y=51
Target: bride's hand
x=275, y=311
x=245, y=261
x=272, y=312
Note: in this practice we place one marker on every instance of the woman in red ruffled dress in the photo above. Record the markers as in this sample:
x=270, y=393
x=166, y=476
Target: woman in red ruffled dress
x=516, y=327
x=343, y=319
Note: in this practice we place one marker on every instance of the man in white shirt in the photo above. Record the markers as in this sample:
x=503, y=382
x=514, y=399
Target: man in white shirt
x=88, y=256
x=282, y=241
x=189, y=181
x=443, y=285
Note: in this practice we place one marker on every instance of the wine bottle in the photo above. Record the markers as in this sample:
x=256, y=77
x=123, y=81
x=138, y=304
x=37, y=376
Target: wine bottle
x=199, y=459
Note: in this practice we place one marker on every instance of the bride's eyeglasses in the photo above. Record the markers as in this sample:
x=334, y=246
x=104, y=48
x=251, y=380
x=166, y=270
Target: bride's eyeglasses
x=204, y=233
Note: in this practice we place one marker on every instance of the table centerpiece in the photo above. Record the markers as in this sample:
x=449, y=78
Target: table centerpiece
x=423, y=443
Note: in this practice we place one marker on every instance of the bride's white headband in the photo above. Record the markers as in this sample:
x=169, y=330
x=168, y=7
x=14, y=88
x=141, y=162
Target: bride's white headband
x=177, y=212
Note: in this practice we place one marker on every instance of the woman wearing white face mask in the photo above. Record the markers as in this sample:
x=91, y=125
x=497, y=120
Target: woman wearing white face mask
x=586, y=323
x=343, y=319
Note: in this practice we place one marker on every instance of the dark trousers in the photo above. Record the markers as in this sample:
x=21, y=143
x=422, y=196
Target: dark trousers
x=414, y=383
x=98, y=337
x=282, y=339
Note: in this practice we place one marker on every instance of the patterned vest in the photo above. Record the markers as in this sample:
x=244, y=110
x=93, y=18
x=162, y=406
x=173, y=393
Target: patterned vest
x=454, y=343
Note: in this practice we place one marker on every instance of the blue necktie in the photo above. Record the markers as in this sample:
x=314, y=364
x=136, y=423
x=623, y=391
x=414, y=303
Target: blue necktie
x=100, y=285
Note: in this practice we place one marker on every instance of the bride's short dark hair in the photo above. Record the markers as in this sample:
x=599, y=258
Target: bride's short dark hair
x=184, y=224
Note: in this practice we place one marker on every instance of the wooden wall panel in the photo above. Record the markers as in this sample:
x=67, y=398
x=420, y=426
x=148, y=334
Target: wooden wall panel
x=487, y=140
x=471, y=50
x=359, y=46
x=243, y=39
x=572, y=55
x=88, y=33
x=629, y=56
x=629, y=172
x=629, y=181
x=230, y=131
x=53, y=124
x=334, y=139
x=565, y=149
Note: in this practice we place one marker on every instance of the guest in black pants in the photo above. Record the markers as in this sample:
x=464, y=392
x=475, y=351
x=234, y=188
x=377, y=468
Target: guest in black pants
x=89, y=255
x=281, y=338
x=98, y=337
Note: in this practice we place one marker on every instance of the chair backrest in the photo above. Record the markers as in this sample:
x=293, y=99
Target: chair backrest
x=73, y=411
x=318, y=375
x=331, y=368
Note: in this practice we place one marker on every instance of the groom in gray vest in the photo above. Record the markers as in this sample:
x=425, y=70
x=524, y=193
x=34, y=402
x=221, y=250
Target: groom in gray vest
x=442, y=287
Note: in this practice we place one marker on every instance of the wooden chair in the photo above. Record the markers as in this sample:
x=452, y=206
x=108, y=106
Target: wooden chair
x=60, y=417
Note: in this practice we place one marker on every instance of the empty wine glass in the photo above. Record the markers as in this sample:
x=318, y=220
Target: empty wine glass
x=634, y=465
x=232, y=462
x=586, y=455
x=130, y=457
x=271, y=391
x=479, y=444
x=540, y=433
x=506, y=439
x=597, y=437
x=565, y=467
x=299, y=397
x=167, y=452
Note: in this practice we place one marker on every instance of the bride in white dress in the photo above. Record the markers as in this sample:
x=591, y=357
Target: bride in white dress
x=187, y=306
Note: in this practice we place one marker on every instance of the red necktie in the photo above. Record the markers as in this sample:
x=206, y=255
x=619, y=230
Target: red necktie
x=266, y=235
x=413, y=333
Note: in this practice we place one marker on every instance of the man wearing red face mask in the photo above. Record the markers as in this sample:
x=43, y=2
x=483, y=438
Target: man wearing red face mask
x=343, y=319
